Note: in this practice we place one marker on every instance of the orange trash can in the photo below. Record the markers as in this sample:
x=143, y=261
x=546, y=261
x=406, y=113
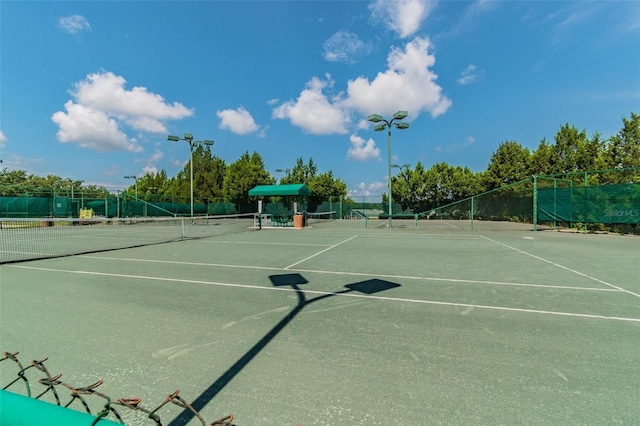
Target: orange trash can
x=298, y=221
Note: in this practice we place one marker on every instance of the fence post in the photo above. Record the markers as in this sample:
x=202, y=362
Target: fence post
x=471, y=214
x=535, y=203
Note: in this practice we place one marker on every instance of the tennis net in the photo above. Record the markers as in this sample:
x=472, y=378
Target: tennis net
x=323, y=217
x=31, y=239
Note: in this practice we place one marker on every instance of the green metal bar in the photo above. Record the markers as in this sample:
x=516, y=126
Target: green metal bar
x=555, y=202
x=571, y=201
x=578, y=172
x=584, y=208
x=535, y=203
x=520, y=182
x=471, y=213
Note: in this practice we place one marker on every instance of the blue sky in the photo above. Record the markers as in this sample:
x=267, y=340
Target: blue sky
x=90, y=90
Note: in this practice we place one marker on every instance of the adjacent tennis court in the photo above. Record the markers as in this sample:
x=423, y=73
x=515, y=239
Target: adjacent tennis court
x=341, y=324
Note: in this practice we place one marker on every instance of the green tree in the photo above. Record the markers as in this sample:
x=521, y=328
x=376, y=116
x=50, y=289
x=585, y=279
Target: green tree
x=545, y=160
x=153, y=186
x=510, y=163
x=623, y=150
x=570, y=148
x=322, y=186
x=301, y=172
x=242, y=175
x=208, y=177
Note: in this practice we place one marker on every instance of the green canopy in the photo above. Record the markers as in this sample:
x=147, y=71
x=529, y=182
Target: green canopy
x=279, y=190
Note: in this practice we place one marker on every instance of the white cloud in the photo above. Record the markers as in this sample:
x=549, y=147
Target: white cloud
x=470, y=75
x=402, y=16
x=3, y=139
x=313, y=112
x=407, y=84
x=103, y=106
x=92, y=129
x=362, y=150
x=345, y=46
x=74, y=23
x=150, y=170
x=238, y=120
x=138, y=107
x=470, y=16
x=365, y=190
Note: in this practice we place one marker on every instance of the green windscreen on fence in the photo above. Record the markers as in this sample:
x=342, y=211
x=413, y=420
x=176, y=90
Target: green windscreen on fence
x=590, y=204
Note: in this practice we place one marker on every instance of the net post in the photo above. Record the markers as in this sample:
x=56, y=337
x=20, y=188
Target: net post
x=182, y=227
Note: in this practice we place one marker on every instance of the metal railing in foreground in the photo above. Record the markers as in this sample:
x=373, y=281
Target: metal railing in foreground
x=99, y=408
x=30, y=239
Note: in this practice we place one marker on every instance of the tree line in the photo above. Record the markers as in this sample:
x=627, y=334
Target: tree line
x=417, y=189
x=572, y=150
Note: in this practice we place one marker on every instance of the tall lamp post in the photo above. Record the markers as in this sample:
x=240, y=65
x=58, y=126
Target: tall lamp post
x=188, y=137
x=136, y=184
x=382, y=124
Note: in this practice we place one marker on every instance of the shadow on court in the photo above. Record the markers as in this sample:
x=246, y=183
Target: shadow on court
x=371, y=286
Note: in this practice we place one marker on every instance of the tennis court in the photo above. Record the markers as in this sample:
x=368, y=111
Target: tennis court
x=341, y=324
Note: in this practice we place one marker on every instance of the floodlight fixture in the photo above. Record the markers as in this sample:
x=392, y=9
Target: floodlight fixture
x=188, y=136
x=207, y=142
x=402, y=125
x=379, y=127
x=374, y=118
x=400, y=115
x=173, y=138
x=136, y=184
x=404, y=166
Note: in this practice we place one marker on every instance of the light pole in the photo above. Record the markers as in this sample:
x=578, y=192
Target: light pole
x=375, y=118
x=136, y=184
x=188, y=137
x=404, y=166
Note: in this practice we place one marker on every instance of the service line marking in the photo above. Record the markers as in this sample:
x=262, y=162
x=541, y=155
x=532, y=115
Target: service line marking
x=356, y=274
x=333, y=293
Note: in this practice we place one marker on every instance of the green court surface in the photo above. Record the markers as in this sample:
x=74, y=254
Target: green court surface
x=336, y=324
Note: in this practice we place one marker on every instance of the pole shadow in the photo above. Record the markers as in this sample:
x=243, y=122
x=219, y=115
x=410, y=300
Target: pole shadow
x=368, y=287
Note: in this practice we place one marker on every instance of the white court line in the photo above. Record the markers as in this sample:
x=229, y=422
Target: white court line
x=447, y=223
x=259, y=243
x=320, y=252
x=353, y=274
x=333, y=293
x=564, y=267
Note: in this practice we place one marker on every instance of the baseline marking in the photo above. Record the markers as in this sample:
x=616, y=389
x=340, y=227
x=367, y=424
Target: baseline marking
x=320, y=252
x=323, y=293
x=564, y=267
